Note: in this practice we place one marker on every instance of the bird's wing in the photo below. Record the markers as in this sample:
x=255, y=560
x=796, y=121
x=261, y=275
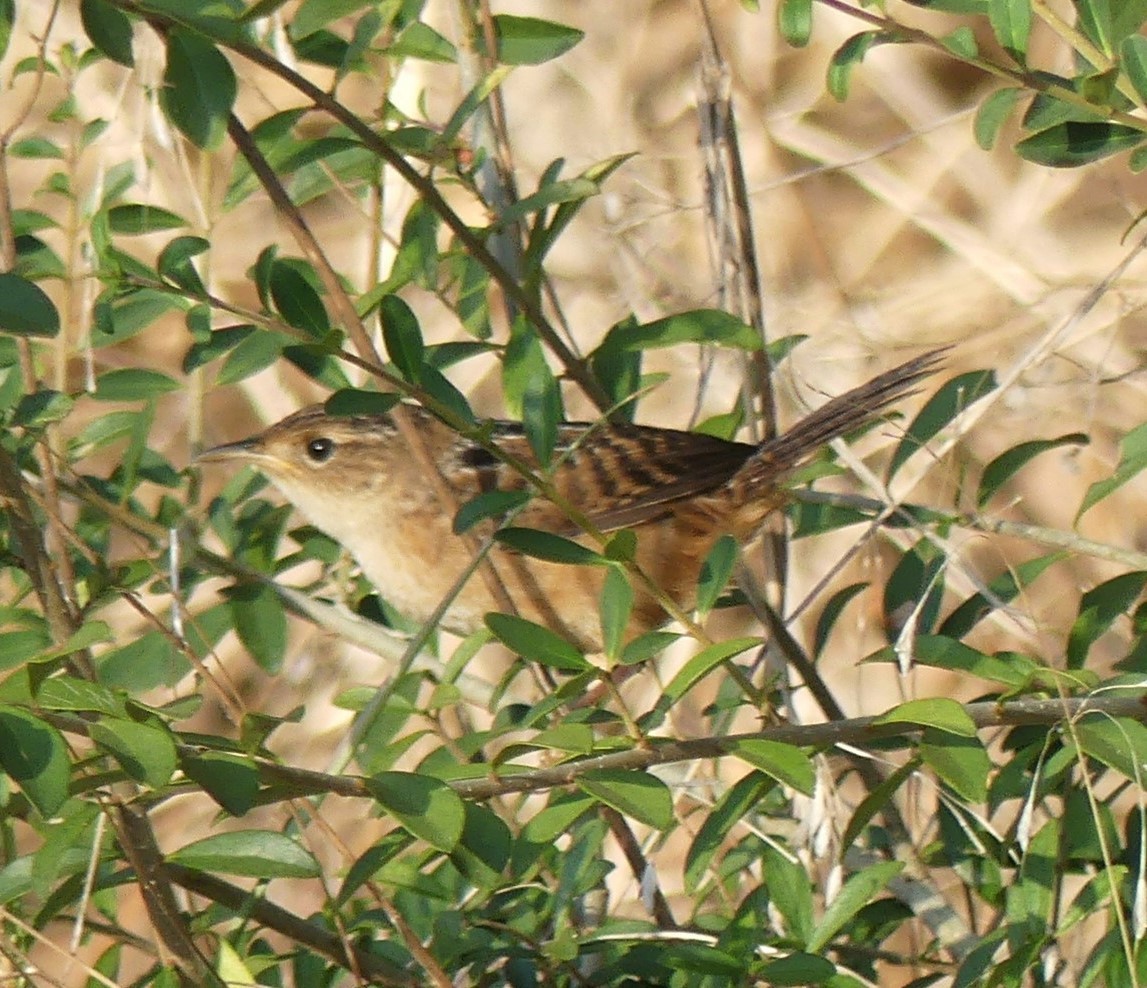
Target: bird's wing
x=616, y=475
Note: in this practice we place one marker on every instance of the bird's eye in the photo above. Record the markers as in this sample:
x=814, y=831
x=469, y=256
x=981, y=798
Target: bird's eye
x=319, y=450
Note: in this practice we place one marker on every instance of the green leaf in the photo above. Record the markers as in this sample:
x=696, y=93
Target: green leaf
x=875, y=801
x=915, y=587
x=1096, y=893
x=318, y=363
x=1098, y=610
x=251, y=355
x=41, y=407
x=734, y=806
x=545, y=545
x=993, y=112
x=962, y=43
x=1001, y=469
x=145, y=752
x=543, y=236
x=34, y=755
x=323, y=48
x=616, y=606
x=230, y=779
x=794, y=20
x=221, y=341
x=532, y=391
x=788, y=887
x=150, y=661
x=1011, y=22
x=315, y=14
x=36, y=147
x=1133, y=54
x=635, y=794
x=1118, y=742
x=621, y=546
x=18, y=647
x=574, y=738
x=254, y=853
x=108, y=29
x=260, y=623
x=646, y=646
x=492, y=504
x=710, y=964
x=31, y=221
x=199, y=88
x=856, y=893
x=140, y=217
x=88, y=634
x=484, y=848
x=618, y=371
x=798, y=968
x=1074, y=143
x=7, y=18
x=133, y=384
x=938, y=712
x=1001, y=590
x=784, y=762
x=535, y=643
x=552, y=194
x=816, y=519
x=703, y=663
x=420, y=40
x=35, y=260
x=403, y=337
x=297, y=301
x=960, y=762
x=67, y=843
x=846, y=57
x=25, y=310
x=944, y=653
x=832, y=610
x=1046, y=110
x=1132, y=460
x=70, y=693
x=129, y=314
x=447, y=395
x=949, y=401
x=715, y=572
x=556, y=819
x=530, y=41
x=697, y=326
x=1138, y=160
x=175, y=265
x=1108, y=22
x=426, y=807
x=359, y=401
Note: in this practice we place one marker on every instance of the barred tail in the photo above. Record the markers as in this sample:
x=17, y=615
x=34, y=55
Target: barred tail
x=776, y=457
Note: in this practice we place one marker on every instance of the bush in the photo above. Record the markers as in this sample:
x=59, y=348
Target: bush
x=226, y=759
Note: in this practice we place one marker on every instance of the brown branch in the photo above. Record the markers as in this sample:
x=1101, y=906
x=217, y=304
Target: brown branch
x=638, y=864
x=137, y=841
x=379, y=970
x=34, y=557
x=859, y=731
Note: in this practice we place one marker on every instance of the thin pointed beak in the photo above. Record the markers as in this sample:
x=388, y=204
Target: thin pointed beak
x=246, y=450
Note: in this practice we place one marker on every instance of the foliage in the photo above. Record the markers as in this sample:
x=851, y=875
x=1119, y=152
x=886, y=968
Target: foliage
x=500, y=813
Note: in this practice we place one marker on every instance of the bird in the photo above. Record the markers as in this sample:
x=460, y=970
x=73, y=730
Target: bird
x=355, y=478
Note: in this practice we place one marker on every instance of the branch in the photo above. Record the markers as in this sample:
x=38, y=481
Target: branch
x=377, y=969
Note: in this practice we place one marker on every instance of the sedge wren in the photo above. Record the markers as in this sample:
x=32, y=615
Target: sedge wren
x=355, y=479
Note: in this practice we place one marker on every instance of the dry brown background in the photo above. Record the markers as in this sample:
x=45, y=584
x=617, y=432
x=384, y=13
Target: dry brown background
x=881, y=229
